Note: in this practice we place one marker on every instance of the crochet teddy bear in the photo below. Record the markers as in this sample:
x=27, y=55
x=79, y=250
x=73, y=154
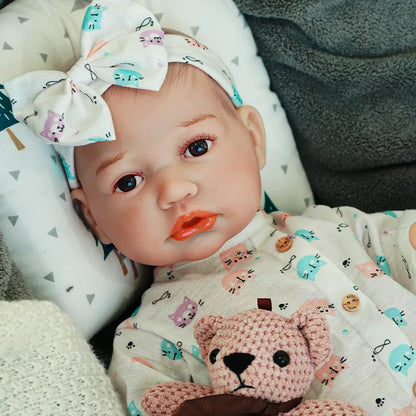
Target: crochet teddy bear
x=259, y=362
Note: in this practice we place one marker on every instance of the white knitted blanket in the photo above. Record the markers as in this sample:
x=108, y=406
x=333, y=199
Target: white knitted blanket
x=47, y=367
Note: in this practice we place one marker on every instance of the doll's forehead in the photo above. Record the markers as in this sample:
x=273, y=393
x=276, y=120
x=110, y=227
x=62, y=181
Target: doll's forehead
x=178, y=72
x=204, y=92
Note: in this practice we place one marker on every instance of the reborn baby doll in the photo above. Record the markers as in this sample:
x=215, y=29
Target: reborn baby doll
x=167, y=168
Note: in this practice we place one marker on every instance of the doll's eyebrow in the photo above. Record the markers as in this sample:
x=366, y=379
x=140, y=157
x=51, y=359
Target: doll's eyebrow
x=108, y=162
x=197, y=119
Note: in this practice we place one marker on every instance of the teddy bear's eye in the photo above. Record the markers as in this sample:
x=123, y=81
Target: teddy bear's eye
x=213, y=355
x=281, y=358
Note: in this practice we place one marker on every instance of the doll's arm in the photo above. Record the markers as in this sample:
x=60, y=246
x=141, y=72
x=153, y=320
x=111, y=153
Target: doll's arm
x=388, y=237
x=138, y=363
x=165, y=398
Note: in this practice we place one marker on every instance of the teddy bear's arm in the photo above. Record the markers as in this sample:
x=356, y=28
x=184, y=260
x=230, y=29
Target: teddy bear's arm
x=327, y=408
x=163, y=399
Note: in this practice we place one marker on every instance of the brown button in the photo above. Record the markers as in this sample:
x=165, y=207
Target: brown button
x=351, y=302
x=414, y=389
x=283, y=244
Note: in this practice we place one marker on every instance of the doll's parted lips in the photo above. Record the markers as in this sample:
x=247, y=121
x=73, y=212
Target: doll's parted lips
x=193, y=223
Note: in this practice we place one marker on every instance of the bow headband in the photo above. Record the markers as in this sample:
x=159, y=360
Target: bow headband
x=121, y=44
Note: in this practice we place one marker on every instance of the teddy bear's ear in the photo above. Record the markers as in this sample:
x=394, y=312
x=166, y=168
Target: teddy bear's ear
x=315, y=329
x=204, y=330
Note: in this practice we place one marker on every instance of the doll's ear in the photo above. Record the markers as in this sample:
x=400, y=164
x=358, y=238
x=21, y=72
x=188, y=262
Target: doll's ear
x=315, y=329
x=81, y=205
x=253, y=122
x=204, y=330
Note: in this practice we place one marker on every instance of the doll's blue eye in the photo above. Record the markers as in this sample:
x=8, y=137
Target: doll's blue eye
x=198, y=148
x=213, y=355
x=281, y=358
x=128, y=183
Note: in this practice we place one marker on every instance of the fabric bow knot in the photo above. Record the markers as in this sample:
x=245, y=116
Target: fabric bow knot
x=67, y=108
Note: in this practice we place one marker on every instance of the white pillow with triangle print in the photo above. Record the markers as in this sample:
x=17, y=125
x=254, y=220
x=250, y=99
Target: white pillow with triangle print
x=60, y=259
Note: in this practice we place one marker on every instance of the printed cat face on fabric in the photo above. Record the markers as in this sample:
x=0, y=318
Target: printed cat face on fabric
x=235, y=255
x=127, y=77
x=152, y=37
x=408, y=410
x=170, y=350
x=396, y=316
x=370, y=269
x=309, y=266
x=93, y=17
x=233, y=281
x=184, y=313
x=402, y=358
x=202, y=161
x=133, y=409
x=306, y=235
x=331, y=370
x=54, y=126
x=320, y=305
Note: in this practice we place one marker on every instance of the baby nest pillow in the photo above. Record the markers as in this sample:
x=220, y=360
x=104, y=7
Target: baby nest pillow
x=61, y=260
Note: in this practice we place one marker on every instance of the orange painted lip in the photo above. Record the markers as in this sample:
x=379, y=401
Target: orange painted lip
x=186, y=226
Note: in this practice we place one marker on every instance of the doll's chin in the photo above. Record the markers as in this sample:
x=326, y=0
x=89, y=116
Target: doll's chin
x=202, y=246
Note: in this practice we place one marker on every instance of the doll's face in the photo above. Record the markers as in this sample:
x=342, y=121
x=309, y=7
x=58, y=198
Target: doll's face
x=181, y=178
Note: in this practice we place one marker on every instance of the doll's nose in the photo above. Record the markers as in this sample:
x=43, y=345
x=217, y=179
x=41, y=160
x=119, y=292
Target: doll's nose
x=237, y=362
x=175, y=188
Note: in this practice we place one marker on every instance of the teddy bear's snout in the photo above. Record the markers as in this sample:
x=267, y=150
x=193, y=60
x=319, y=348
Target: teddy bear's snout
x=237, y=362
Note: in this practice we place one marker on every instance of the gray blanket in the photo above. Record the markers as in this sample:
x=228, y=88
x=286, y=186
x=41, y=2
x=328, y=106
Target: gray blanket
x=12, y=284
x=345, y=72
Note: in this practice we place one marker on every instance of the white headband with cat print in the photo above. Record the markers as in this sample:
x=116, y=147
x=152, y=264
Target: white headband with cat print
x=122, y=44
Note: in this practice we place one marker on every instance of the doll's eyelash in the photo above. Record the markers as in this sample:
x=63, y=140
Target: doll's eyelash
x=132, y=174
x=199, y=136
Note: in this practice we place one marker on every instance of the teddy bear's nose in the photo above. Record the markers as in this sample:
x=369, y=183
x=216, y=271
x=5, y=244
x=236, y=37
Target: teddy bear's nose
x=238, y=361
